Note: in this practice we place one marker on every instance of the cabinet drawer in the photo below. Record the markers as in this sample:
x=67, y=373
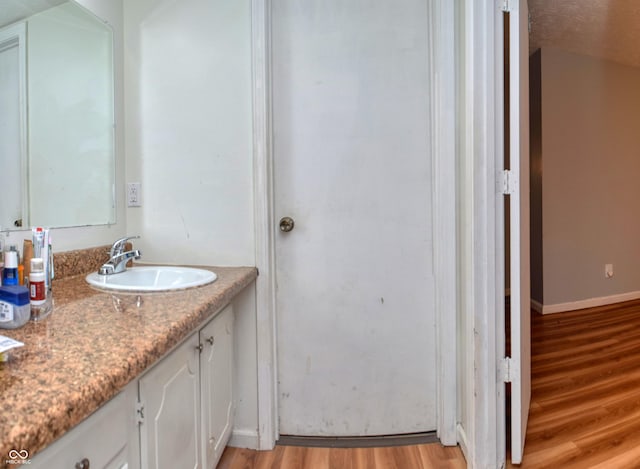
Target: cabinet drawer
x=101, y=438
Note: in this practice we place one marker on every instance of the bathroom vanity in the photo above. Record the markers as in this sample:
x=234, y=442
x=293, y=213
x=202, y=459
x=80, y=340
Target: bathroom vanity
x=118, y=380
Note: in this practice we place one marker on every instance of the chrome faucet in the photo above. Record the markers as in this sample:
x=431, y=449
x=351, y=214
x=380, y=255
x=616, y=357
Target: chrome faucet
x=118, y=258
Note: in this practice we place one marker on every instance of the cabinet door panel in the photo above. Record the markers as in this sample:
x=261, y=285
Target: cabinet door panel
x=216, y=365
x=101, y=439
x=169, y=393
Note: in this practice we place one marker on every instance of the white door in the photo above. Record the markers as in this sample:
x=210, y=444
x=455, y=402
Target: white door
x=519, y=235
x=355, y=310
x=12, y=118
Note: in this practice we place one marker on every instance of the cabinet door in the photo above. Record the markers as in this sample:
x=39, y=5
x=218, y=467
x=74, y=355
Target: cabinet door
x=169, y=394
x=101, y=440
x=216, y=364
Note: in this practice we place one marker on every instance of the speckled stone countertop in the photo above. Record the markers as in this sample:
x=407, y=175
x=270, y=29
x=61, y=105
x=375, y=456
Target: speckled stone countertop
x=90, y=347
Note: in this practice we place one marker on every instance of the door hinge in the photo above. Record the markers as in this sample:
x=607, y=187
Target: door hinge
x=506, y=365
x=139, y=412
x=506, y=6
x=509, y=182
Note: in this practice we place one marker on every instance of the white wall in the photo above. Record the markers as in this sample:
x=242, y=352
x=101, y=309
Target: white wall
x=245, y=386
x=189, y=142
x=65, y=239
x=590, y=162
x=189, y=130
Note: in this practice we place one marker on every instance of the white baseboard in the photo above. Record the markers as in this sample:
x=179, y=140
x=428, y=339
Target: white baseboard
x=244, y=439
x=582, y=304
x=464, y=444
x=536, y=306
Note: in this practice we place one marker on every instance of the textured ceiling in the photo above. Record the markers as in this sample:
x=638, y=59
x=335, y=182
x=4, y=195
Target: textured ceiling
x=16, y=10
x=609, y=29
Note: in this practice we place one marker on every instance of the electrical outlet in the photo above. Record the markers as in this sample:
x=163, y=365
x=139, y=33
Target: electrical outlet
x=608, y=270
x=133, y=194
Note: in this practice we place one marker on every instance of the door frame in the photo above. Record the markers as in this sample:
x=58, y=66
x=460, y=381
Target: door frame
x=441, y=58
x=16, y=35
x=482, y=431
x=267, y=367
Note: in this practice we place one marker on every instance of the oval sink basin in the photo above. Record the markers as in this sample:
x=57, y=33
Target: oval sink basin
x=152, y=279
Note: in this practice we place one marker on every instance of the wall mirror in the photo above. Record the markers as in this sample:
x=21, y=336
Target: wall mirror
x=57, y=131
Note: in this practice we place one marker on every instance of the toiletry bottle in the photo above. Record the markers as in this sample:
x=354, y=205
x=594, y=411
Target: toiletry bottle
x=14, y=306
x=40, y=306
x=27, y=255
x=42, y=249
x=10, y=273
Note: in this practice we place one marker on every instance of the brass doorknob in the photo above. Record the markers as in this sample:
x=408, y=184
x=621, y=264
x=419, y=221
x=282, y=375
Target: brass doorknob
x=286, y=224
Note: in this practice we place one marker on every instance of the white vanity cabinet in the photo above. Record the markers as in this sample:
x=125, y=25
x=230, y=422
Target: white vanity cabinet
x=216, y=385
x=186, y=400
x=183, y=407
x=99, y=442
x=169, y=410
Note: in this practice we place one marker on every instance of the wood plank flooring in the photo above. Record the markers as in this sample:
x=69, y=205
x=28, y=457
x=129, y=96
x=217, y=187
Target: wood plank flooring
x=425, y=456
x=585, y=407
x=585, y=378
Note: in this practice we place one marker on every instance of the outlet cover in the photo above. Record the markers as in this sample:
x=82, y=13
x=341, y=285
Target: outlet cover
x=134, y=193
x=608, y=270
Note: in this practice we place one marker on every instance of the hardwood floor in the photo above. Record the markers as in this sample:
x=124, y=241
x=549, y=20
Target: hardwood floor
x=585, y=406
x=585, y=379
x=425, y=456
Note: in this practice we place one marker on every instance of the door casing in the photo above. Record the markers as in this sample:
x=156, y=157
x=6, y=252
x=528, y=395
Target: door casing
x=482, y=432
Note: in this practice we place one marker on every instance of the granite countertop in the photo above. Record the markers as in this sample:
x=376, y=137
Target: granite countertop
x=90, y=347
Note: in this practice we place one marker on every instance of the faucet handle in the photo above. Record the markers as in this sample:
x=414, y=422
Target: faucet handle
x=118, y=246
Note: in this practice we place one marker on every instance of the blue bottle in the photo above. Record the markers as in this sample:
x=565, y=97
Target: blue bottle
x=10, y=273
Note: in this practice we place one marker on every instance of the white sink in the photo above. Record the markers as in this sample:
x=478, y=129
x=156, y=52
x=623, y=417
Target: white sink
x=152, y=279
